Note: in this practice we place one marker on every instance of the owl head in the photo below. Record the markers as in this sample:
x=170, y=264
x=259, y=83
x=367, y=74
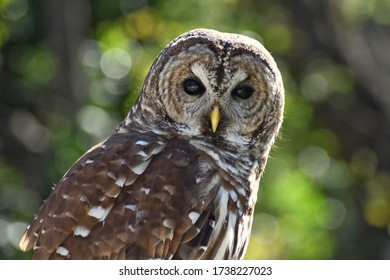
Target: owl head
x=219, y=86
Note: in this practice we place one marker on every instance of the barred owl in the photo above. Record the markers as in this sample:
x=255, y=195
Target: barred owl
x=179, y=177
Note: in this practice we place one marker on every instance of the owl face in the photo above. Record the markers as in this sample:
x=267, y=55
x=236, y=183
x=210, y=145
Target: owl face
x=221, y=87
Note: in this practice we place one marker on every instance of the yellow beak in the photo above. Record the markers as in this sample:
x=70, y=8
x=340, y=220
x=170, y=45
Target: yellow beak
x=215, y=117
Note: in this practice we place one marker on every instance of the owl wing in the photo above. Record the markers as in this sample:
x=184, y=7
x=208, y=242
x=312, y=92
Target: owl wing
x=134, y=197
x=86, y=196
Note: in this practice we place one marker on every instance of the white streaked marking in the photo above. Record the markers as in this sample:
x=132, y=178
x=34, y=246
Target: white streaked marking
x=194, y=216
x=145, y=190
x=244, y=230
x=88, y=161
x=81, y=231
x=131, y=207
x=233, y=195
x=62, y=251
x=113, y=195
x=207, y=150
x=242, y=191
x=141, y=143
x=158, y=149
x=213, y=183
x=131, y=228
x=70, y=215
x=159, y=131
x=111, y=175
x=238, y=77
x=24, y=241
x=203, y=248
x=123, y=129
x=253, y=178
x=201, y=72
x=232, y=224
x=197, y=180
x=237, y=139
x=130, y=180
x=120, y=181
x=227, y=243
x=99, y=212
x=222, y=213
x=169, y=223
x=170, y=189
x=139, y=216
x=233, y=169
x=140, y=168
x=64, y=196
x=83, y=198
x=142, y=153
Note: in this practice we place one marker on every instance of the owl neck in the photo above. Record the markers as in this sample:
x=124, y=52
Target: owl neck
x=232, y=159
x=143, y=117
x=251, y=158
x=250, y=155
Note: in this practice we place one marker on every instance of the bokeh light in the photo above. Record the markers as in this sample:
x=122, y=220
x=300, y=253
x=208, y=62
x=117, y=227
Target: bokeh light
x=115, y=63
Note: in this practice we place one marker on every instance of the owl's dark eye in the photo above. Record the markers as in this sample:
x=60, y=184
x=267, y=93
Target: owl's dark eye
x=243, y=92
x=193, y=87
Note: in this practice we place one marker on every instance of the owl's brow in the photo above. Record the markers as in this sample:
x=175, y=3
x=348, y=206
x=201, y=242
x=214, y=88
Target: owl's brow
x=238, y=77
x=200, y=71
x=224, y=52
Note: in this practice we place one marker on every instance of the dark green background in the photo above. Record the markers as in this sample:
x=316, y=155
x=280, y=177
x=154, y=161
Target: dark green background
x=71, y=69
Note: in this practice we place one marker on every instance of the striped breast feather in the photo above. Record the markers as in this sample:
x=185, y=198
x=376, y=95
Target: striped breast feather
x=65, y=225
x=220, y=229
x=223, y=218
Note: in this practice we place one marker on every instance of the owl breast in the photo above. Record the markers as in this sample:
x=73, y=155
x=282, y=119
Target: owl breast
x=228, y=181
x=193, y=204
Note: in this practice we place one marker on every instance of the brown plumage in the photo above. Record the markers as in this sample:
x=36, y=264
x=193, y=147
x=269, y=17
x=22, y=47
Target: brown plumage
x=179, y=177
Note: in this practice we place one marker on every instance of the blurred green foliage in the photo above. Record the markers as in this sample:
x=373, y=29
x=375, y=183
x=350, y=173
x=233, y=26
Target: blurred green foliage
x=70, y=71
